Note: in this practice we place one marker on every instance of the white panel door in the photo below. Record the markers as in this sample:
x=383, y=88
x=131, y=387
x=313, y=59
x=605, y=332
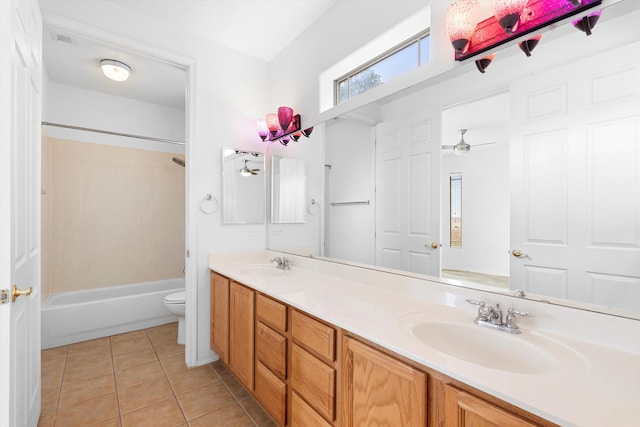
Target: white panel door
x=20, y=105
x=407, y=193
x=575, y=196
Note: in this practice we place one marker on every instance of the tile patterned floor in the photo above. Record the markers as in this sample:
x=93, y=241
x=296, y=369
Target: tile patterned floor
x=139, y=379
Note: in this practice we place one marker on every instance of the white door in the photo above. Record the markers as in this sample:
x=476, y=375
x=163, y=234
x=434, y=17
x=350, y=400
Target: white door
x=408, y=193
x=575, y=190
x=20, y=105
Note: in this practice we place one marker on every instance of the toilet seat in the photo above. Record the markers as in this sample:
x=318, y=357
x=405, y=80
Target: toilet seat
x=175, y=298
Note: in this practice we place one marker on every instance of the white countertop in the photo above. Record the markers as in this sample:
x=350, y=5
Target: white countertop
x=596, y=381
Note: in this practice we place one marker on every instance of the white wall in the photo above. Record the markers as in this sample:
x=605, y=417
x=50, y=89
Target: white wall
x=74, y=106
x=485, y=211
x=350, y=150
x=228, y=95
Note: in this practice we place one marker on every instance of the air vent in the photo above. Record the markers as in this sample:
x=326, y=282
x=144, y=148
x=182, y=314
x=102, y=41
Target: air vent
x=62, y=38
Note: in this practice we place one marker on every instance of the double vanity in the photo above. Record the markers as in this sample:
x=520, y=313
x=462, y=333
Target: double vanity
x=327, y=344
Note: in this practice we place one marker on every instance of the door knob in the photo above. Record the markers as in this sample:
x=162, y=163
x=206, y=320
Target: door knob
x=15, y=292
x=435, y=245
x=516, y=253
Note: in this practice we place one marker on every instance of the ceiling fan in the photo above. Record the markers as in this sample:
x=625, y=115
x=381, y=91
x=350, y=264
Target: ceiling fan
x=246, y=171
x=462, y=148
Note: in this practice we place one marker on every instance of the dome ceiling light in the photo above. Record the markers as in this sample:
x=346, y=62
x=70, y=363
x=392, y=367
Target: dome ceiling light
x=115, y=70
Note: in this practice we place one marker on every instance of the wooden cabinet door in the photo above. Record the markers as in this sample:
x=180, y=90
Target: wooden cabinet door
x=241, y=333
x=220, y=316
x=465, y=410
x=380, y=390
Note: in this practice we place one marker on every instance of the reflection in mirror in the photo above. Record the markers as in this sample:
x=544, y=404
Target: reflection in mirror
x=288, y=190
x=542, y=207
x=243, y=185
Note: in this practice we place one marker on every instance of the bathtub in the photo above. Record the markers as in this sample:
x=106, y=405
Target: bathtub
x=71, y=317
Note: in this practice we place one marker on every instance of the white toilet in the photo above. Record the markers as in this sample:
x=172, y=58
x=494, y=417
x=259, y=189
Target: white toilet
x=175, y=303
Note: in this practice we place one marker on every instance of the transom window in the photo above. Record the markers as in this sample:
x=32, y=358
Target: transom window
x=397, y=61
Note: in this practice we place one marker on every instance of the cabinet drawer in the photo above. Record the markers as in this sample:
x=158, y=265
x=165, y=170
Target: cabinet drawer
x=313, y=334
x=304, y=415
x=272, y=393
x=271, y=349
x=314, y=380
x=271, y=313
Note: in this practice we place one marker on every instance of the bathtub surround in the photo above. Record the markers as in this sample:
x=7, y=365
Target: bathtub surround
x=116, y=216
x=72, y=317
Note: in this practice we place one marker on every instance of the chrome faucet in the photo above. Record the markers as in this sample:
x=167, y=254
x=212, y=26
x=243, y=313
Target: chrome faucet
x=492, y=317
x=282, y=263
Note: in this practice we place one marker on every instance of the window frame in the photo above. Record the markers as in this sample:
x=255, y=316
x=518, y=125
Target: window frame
x=417, y=38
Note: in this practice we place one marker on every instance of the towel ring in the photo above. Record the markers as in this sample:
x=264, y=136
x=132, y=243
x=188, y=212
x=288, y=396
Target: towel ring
x=313, y=207
x=209, y=199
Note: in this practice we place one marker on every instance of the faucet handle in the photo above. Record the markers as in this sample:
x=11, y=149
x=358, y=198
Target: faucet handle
x=512, y=321
x=476, y=302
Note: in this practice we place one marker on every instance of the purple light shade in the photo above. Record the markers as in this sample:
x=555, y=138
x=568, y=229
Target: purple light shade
x=586, y=23
x=508, y=13
x=263, y=130
x=273, y=124
x=285, y=114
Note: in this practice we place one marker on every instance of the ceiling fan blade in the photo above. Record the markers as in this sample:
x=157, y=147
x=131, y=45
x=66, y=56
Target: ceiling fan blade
x=448, y=147
x=484, y=143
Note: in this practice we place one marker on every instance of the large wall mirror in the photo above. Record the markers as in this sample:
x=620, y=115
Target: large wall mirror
x=243, y=185
x=547, y=199
x=288, y=190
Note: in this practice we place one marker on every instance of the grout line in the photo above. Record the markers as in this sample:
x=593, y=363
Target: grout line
x=115, y=381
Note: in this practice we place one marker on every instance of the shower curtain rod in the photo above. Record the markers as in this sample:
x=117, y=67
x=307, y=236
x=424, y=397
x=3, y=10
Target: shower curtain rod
x=127, y=135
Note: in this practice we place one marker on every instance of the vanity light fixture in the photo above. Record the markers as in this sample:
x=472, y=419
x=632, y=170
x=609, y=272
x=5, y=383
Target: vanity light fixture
x=462, y=18
x=527, y=46
x=512, y=20
x=508, y=12
x=115, y=70
x=282, y=127
x=484, y=62
x=587, y=23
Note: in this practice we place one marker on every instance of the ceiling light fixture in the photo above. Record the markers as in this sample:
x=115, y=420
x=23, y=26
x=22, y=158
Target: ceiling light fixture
x=115, y=70
x=512, y=20
x=282, y=127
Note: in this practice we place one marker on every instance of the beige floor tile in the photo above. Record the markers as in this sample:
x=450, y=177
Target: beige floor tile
x=126, y=343
x=254, y=410
x=162, y=414
x=139, y=374
x=168, y=348
x=47, y=419
x=114, y=422
x=229, y=416
x=167, y=330
x=134, y=358
x=84, y=370
x=205, y=399
x=142, y=395
x=49, y=399
x=74, y=392
x=183, y=382
x=100, y=345
x=88, y=412
x=174, y=364
x=234, y=386
x=55, y=351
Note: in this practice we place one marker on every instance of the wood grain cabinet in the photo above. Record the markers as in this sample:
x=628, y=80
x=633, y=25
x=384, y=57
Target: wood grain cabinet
x=241, y=333
x=220, y=316
x=307, y=372
x=379, y=389
x=271, y=357
x=466, y=410
x=313, y=368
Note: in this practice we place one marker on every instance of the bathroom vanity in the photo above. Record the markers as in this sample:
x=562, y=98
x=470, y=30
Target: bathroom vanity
x=324, y=344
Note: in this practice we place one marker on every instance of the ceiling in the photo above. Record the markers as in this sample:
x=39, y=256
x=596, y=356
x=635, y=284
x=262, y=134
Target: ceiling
x=243, y=25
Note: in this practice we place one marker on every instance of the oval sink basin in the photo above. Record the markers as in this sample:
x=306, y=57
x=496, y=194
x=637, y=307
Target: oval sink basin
x=261, y=271
x=523, y=354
